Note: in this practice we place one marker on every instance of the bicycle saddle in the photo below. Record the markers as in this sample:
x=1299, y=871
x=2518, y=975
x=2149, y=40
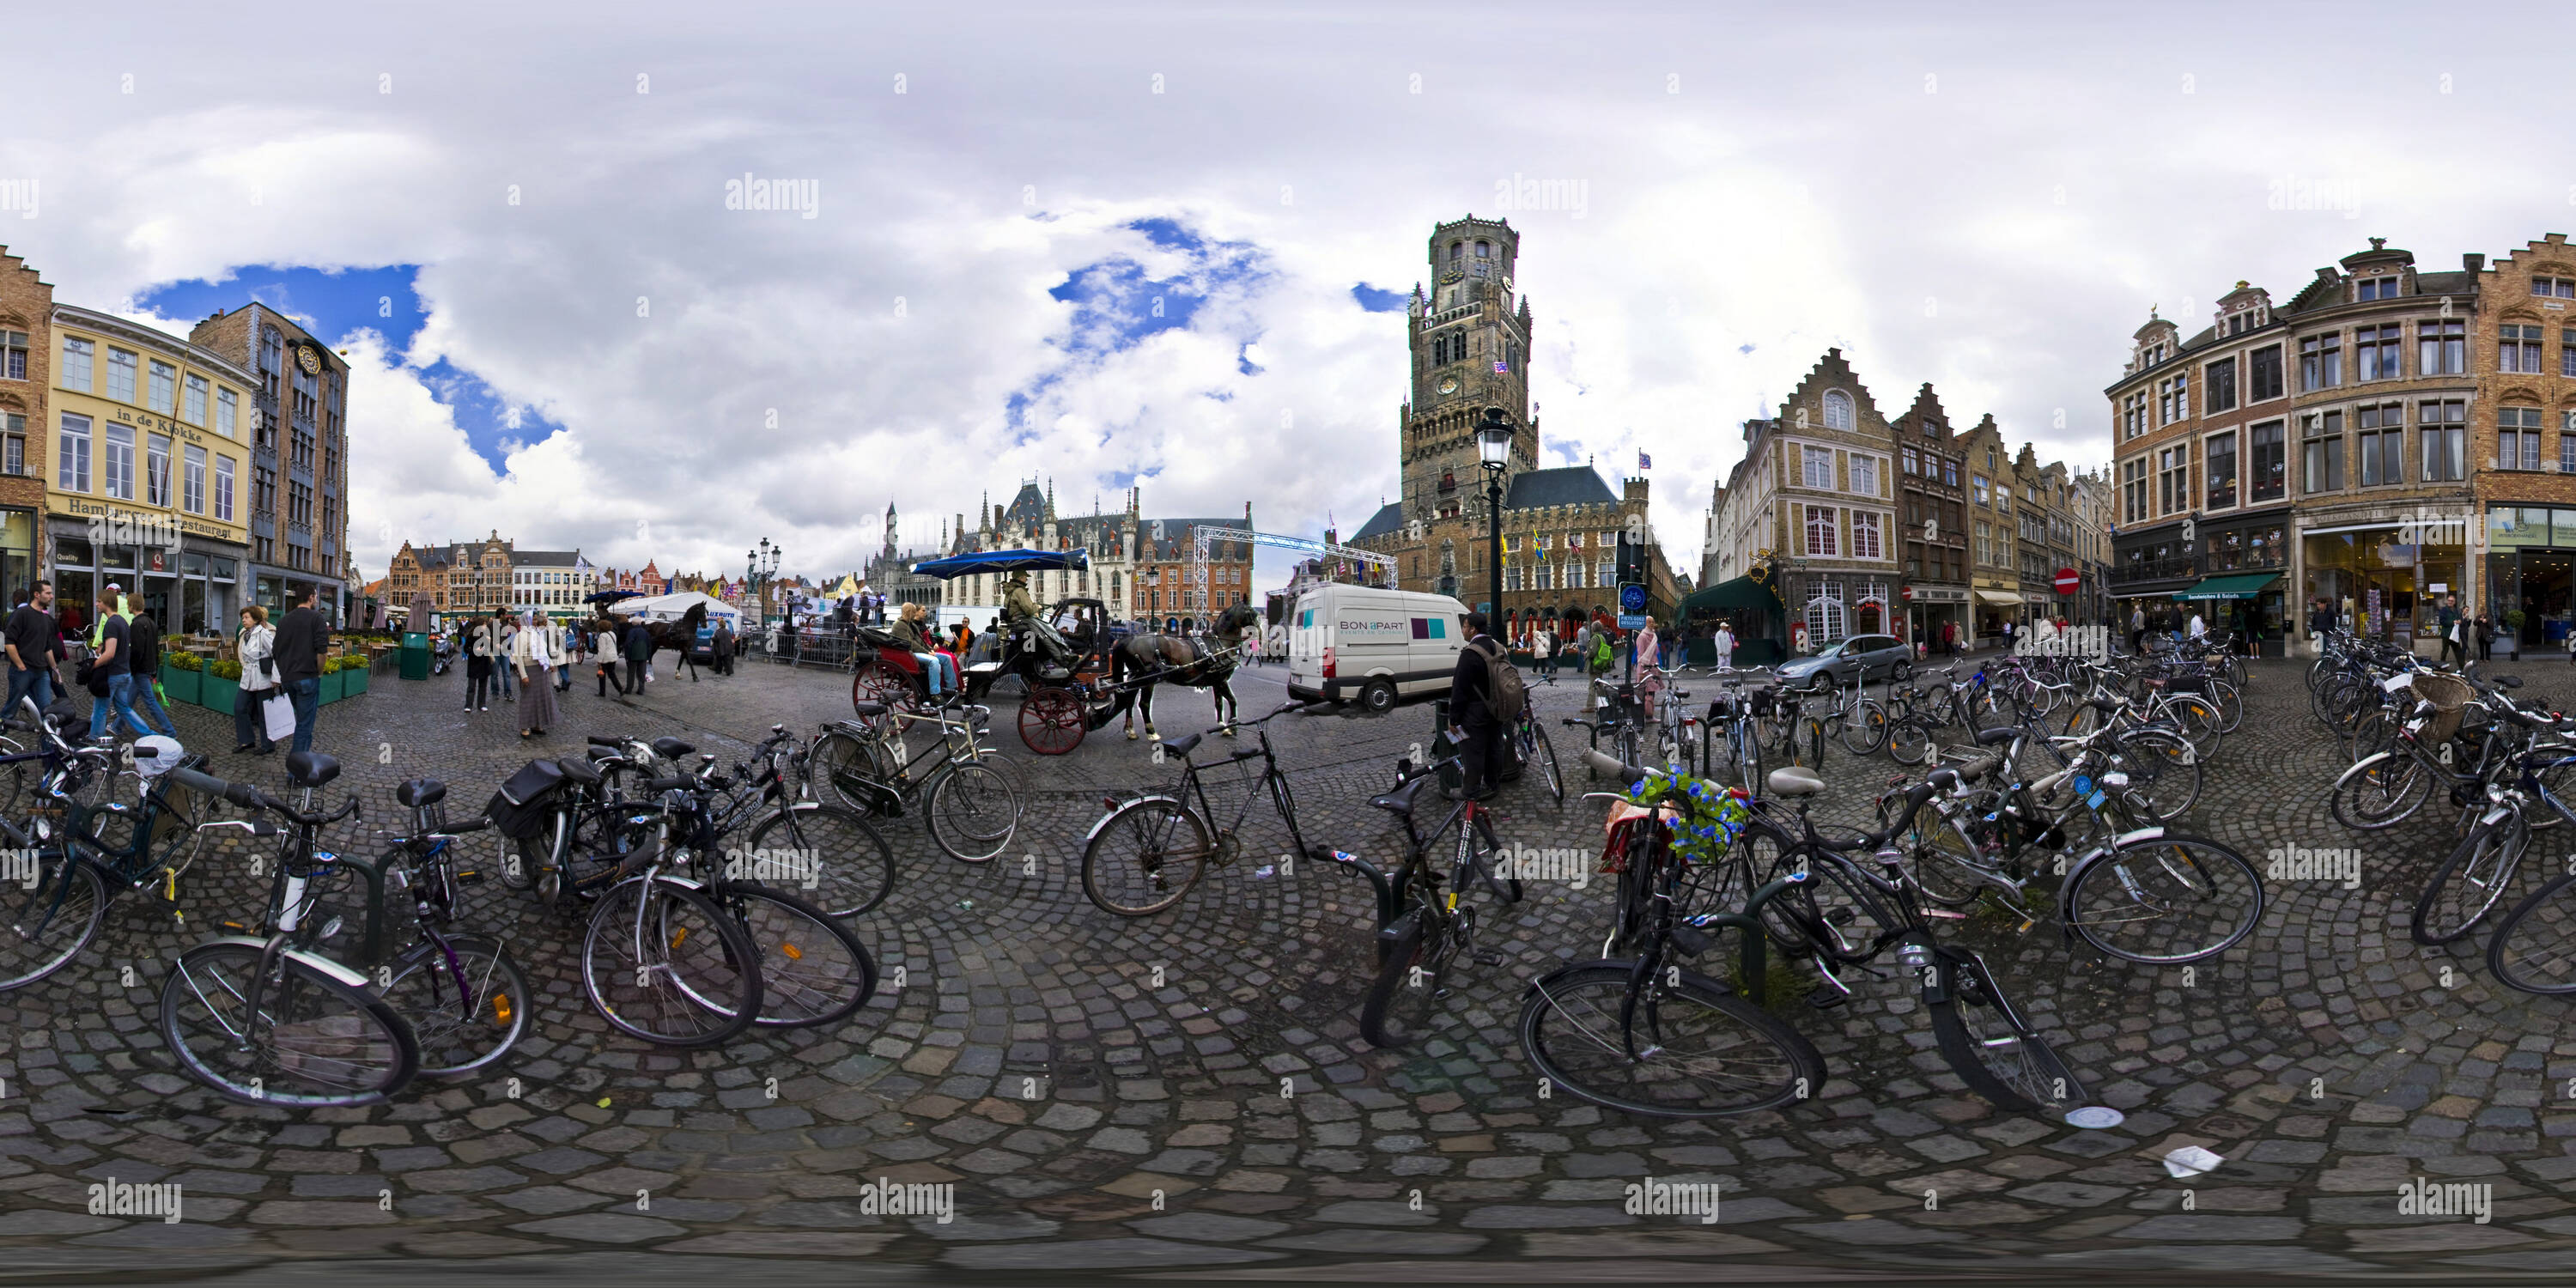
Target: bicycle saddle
x=1181, y=746
x=419, y=792
x=580, y=771
x=1400, y=800
x=1978, y=768
x=866, y=709
x=672, y=748
x=1997, y=737
x=310, y=768
x=1794, y=780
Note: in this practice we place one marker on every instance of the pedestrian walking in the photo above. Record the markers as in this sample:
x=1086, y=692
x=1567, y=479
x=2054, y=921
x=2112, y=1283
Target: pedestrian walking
x=34, y=643
x=560, y=646
x=603, y=659
x=111, y=667
x=2486, y=638
x=143, y=636
x=637, y=645
x=533, y=656
x=505, y=634
x=1724, y=644
x=2455, y=642
x=724, y=646
x=1471, y=712
x=478, y=643
x=1646, y=658
x=1543, y=654
x=254, y=645
x=301, y=637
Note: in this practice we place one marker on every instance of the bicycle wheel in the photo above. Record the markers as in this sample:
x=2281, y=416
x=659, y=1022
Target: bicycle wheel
x=2169, y=900
x=854, y=867
x=1863, y=729
x=463, y=1028
x=1999, y=1057
x=2375, y=733
x=2470, y=882
x=1145, y=857
x=1947, y=863
x=2196, y=719
x=44, y=926
x=2164, y=772
x=813, y=970
x=1908, y=743
x=1402, y=999
x=1537, y=751
x=1748, y=759
x=2230, y=704
x=974, y=809
x=2381, y=795
x=1693, y=1049
x=312, y=1042
x=661, y=962
x=2534, y=947
x=845, y=771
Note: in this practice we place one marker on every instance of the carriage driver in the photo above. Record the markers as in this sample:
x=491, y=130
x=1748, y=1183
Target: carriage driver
x=1021, y=612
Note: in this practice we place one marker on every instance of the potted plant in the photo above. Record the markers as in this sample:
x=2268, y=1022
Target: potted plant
x=353, y=675
x=330, y=686
x=2509, y=640
x=220, y=685
x=180, y=673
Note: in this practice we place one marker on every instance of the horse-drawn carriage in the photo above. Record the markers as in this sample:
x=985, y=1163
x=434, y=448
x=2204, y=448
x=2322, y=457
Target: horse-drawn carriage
x=1063, y=665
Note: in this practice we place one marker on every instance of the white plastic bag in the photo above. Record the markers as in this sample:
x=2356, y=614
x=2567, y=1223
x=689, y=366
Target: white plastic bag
x=279, y=711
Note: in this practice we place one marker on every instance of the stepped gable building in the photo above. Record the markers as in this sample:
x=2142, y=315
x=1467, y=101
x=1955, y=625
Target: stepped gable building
x=1142, y=568
x=1469, y=338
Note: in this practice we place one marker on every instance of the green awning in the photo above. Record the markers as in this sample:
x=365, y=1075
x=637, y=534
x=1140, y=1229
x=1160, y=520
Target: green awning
x=1743, y=592
x=2243, y=585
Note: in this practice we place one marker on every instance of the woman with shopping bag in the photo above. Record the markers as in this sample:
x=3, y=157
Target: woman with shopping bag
x=255, y=645
x=533, y=659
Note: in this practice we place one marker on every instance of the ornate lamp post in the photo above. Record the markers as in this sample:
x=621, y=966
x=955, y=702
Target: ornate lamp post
x=762, y=570
x=1494, y=451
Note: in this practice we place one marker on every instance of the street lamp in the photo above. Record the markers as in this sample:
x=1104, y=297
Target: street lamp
x=1494, y=451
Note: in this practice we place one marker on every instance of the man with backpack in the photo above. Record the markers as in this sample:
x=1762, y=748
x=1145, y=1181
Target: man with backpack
x=1485, y=698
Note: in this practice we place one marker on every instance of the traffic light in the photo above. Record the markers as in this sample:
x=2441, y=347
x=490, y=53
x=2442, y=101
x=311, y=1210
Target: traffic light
x=1632, y=559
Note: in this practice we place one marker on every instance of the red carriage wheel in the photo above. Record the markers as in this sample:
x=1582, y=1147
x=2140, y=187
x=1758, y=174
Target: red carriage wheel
x=1052, y=720
x=880, y=681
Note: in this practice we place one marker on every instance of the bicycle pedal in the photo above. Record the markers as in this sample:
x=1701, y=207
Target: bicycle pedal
x=1827, y=997
x=1489, y=957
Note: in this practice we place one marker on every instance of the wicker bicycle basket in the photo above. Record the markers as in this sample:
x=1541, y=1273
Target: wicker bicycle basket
x=2449, y=694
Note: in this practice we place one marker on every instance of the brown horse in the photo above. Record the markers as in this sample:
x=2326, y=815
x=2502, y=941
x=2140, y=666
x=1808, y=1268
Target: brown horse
x=681, y=635
x=1140, y=662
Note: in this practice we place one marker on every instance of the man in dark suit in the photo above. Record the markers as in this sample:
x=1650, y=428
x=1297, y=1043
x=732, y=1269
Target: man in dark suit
x=638, y=647
x=1471, y=714
x=302, y=635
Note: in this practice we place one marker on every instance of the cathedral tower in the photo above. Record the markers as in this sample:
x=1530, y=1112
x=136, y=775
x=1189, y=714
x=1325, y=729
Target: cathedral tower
x=1470, y=347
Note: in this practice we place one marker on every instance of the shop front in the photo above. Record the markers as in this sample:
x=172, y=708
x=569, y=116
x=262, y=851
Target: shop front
x=18, y=558
x=2382, y=581
x=1934, y=608
x=191, y=589
x=1994, y=608
x=2248, y=559
x=2530, y=551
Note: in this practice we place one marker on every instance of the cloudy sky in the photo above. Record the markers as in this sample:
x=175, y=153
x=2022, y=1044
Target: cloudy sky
x=1153, y=244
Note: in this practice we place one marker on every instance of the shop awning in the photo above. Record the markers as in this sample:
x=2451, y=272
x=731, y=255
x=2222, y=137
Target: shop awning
x=1743, y=592
x=2243, y=585
x=1999, y=596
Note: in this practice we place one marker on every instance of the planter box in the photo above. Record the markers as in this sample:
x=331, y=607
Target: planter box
x=354, y=681
x=180, y=685
x=327, y=689
x=215, y=693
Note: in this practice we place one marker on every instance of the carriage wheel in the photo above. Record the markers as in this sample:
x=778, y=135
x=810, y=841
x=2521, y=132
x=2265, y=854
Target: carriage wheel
x=879, y=681
x=1051, y=720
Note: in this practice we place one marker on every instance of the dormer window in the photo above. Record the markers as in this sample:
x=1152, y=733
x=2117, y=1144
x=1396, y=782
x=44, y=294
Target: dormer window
x=2375, y=288
x=1838, y=409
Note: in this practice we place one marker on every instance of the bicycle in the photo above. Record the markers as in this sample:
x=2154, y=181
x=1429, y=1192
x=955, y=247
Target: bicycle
x=1858, y=721
x=970, y=803
x=45, y=924
x=1423, y=929
x=1529, y=738
x=1148, y=851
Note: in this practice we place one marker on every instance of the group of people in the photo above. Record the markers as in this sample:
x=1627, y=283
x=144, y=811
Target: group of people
x=528, y=660
x=119, y=664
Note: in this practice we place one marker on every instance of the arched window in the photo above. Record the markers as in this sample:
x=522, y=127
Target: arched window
x=1484, y=250
x=1838, y=409
x=1455, y=250
x=1825, y=615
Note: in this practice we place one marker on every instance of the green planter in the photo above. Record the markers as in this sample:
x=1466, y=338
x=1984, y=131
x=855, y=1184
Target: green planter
x=179, y=685
x=353, y=681
x=215, y=693
x=329, y=689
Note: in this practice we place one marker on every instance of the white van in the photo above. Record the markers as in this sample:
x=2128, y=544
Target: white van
x=1376, y=645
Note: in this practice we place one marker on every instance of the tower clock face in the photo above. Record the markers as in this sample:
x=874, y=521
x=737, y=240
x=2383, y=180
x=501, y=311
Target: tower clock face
x=1452, y=277
x=1449, y=384
x=307, y=359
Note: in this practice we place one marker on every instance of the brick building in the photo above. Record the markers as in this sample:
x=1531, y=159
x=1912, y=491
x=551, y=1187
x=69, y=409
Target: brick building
x=299, y=485
x=1933, y=512
x=2525, y=442
x=26, y=372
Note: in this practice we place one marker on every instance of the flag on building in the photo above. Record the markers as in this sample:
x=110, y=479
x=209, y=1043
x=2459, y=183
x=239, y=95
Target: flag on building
x=1645, y=462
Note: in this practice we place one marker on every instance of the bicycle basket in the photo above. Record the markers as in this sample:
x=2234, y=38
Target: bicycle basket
x=2449, y=694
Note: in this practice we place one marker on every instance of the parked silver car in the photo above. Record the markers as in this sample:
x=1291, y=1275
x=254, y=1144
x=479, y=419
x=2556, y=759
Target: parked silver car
x=1874, y=657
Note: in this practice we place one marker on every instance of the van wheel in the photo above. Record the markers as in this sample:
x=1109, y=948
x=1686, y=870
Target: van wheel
x=1378, y=698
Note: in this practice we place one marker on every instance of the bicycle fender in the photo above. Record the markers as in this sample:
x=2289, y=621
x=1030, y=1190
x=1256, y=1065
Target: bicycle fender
x=2365, y=762
x=1123, y=806
x=316, y=961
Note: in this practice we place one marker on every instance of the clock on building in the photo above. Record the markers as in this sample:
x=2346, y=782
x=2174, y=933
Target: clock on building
x=306, y=358
x=1449, y=384
x=1452, y=277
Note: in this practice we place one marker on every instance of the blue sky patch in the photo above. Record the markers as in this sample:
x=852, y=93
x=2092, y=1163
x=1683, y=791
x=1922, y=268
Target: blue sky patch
x=1117, y=307
x=1377, y=301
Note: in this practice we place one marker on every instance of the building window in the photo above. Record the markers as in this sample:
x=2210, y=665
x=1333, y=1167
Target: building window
x=2322, y=451
x=2220, y=468
x=2221, y=386
x=156, y=469
x=1606, y=573
x=1820, y=530
x=1909, y=461
x=192, y=484
x=2557, y=287
x=13, y=355
x=2382, y=447
x=2263, y=374
x=1985, y=543
x=1977, y=488
x=1817, y=468
x=2567, y=443
x=116, y=464
x=120, y=375
x=71, y=455
x=1950, y=473
x=165, y=387
x=2133, y=490
x=13, y=445
x=2518, y=349
x=1865, y=536
x=2441, y=348
x=194, y=412
x=2518, y=438
x=2173, y=399
x=2133, y=415
x=80, y=360
x=2375, y=288
x=2567, y=352
x=2375, y=351
x=1864, y=476
x=2443, y=429
x=1838, y=409
x=2321, y=361
x=2173, y=480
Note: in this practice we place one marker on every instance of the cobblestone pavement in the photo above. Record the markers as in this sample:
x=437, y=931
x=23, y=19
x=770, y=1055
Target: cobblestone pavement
x=1107, y=1094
